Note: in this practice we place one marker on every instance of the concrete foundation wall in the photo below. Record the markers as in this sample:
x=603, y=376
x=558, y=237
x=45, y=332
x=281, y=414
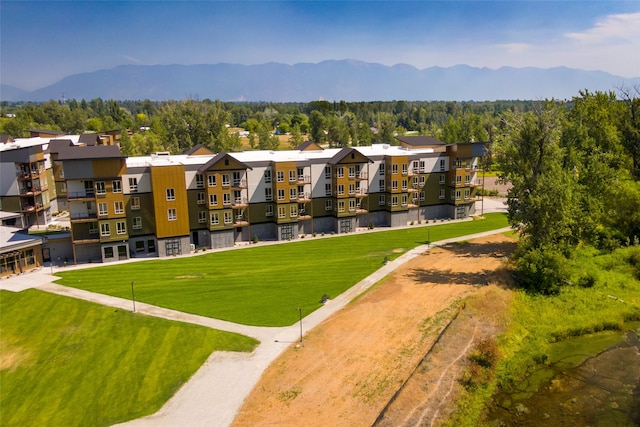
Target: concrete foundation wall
x=265, y=231
x=222, y=239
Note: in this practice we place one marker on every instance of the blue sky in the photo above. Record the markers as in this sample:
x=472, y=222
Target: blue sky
x=42, y=42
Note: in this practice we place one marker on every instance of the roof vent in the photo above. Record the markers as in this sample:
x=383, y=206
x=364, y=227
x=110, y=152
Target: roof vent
x=385, y=146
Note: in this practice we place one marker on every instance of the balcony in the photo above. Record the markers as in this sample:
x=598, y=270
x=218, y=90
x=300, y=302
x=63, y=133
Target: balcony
x=362, y=175
x=239, y=202
x=32, y=208
x=240, y=221
x=239, y=183
x=81, y=195
x=33, y=191
x=304, y=179
x=303, y=197
x=84, y=217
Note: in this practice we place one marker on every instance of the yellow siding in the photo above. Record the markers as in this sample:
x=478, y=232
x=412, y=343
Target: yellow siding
x=162, y=179
x=108, y=168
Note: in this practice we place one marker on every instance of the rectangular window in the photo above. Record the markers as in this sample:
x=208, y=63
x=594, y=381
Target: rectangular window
x=293, y=211
x=327, y=172
x=467, y=164
x=121, y=227
x=292, y=176
x=394, y=168
x=116, y=186
x=453, y=194
x=108, y=252
x=63, y=187
x=458, y=194
x=137, y=223
x=467, y=179
x=352, y=171
x=268, y=194
x=101, y=188
x=467, y=194
x=404, y=169
x=93, y=228
x=199, y=180
x=341, y=206
x=328, y=205
x=394, y=201
x=404, y=185
x=215, y=219
x=327, y=189
x=133, y=185
x=135, y=203
x=441, y=197
x=211, y=180
x=226, y=199
x=293, y=193
x=103, y=209
x=140, y=246
x=280, y=193
x=458, y=164
x=381, y=170
x=268, y=210
x=458, y=179
x=381, y=184
x=267, y=176
x=213, y=200
x=202, y=217
x=423, y=169
x=118, y=207
x=340, y=190
x=171, y=194
x=228, y=218
x=172, y=215
x=422, y=196
x=280, y=176
x=340, y=172
x=226, y=180
x=61, y=173
x=442, y=178
x=394, y=185
x=151, y=244
x=201, y=198
x=352, y=205
x=422, y=181
x=404, y=200
x=352, y=189
x=105, y=230
x=442, y=165
x=281, y=212
x=382, y=200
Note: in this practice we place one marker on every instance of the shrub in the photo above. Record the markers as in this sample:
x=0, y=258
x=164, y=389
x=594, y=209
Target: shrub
x=372, y=226
x=542, y=270
x=587, y=281
x=255, y=239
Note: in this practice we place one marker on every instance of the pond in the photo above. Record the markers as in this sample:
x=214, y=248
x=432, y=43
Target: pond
x=593, y=380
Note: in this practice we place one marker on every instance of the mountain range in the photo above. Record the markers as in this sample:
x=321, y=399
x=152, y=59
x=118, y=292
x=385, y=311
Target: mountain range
x=331, y=80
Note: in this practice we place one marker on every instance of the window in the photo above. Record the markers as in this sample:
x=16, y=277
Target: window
x=442, y=164
x=226, y=199
x=415, y=166
x=171, y=194
x=404, y=169
x=458, y=194
x=467, y=194
x=292, y=176
x=281, y=212
x=118, y=207
x=327, y=189
x=423, y=169
x=301, y=208
x=211, y=180
x=199, y=180
x=103, y=209
x=382, y=200
x=328, y=205
x=467, y=179
x=135, y=203
x=116, y=186
x=381, y=170
x=442, y=178
x=340, y=172
x=341, y=206
x=441, y=197
x=352, y=172
x=404, y=185
x=267, y=176
x=215, y=220
x=352, y=205
x=140, y=246
x=394, y=185
x=63, y=187
x=458, y=164
x=404, y=200
x=108, y=252
x=394, y=201
x=268, y=195
x=300, y=174
x=172, y=214
x=422, y=196
x=228, y=218
x=202, y=217
x=226, y=181
x=137, y=222
x=340, y=190
x=133, y=185
x=352, y=189
x=213, y=200
x=453, y=194
x=121, y=227
x=280, y=176
x=100, y=188
x=61, y=173
x=293, y=193
x=172, y=247
x=151, y=244
x=422, y=181
x=381, y=184
x=201, y=198
x=280, y=193
x=268, y=210
x=293, y=211
x=394, y=168
x=458, y=179
x=105, y=230
x=327, y=172
x=467, y=164
x=93, y=228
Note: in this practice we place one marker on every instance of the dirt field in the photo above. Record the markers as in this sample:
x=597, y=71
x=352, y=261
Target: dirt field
x=375, y=361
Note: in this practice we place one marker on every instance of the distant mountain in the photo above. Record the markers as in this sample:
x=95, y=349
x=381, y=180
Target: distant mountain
x=10, y=93
x=347, y=80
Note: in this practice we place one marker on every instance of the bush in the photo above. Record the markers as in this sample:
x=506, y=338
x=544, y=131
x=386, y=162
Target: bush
x=542, y=270
x=587, y=281
x=255, y=239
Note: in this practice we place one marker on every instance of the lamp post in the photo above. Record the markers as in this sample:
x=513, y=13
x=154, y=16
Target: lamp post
x=133, y=298
x=428, y=237
x=300, y=312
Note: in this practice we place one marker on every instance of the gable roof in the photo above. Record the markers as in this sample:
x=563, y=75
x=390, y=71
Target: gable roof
x=419, y=141
x=89, y=139
x=84, y=152
x=349, y=155
x=55, y=145
x=229, y=163
x=309, y=145
x=199, y=150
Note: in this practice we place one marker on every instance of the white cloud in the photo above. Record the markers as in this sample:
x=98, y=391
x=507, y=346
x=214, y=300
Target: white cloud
x=514, y=48
x=131, y=59
x=621, y=27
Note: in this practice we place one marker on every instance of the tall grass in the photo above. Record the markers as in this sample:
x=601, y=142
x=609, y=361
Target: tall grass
x=263, y=285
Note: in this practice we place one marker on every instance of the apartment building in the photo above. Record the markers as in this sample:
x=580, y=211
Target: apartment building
x=167, y=204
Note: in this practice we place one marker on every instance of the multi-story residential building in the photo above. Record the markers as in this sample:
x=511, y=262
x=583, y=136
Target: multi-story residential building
x=167, y=204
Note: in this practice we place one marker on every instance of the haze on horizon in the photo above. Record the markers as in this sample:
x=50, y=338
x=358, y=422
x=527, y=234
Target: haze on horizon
x=43, y=42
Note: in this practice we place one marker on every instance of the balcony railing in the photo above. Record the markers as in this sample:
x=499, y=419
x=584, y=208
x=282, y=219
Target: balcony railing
x=239, y=183
x=304, y=179
x=240, y=201
x=83, y=216
x=80, y=195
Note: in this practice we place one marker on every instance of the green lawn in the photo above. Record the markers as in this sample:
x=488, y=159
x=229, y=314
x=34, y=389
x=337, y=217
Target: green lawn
x=66, y=362
x=263, y=285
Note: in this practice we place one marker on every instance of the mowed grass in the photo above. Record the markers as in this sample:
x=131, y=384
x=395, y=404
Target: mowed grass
x=263, y=285
x=66, y=362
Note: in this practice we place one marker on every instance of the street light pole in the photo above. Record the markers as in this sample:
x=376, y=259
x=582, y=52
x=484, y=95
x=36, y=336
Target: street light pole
x=300, y=312
x=133, y=298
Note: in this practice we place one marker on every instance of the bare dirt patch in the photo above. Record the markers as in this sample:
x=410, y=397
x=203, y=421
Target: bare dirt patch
x=364, y=364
